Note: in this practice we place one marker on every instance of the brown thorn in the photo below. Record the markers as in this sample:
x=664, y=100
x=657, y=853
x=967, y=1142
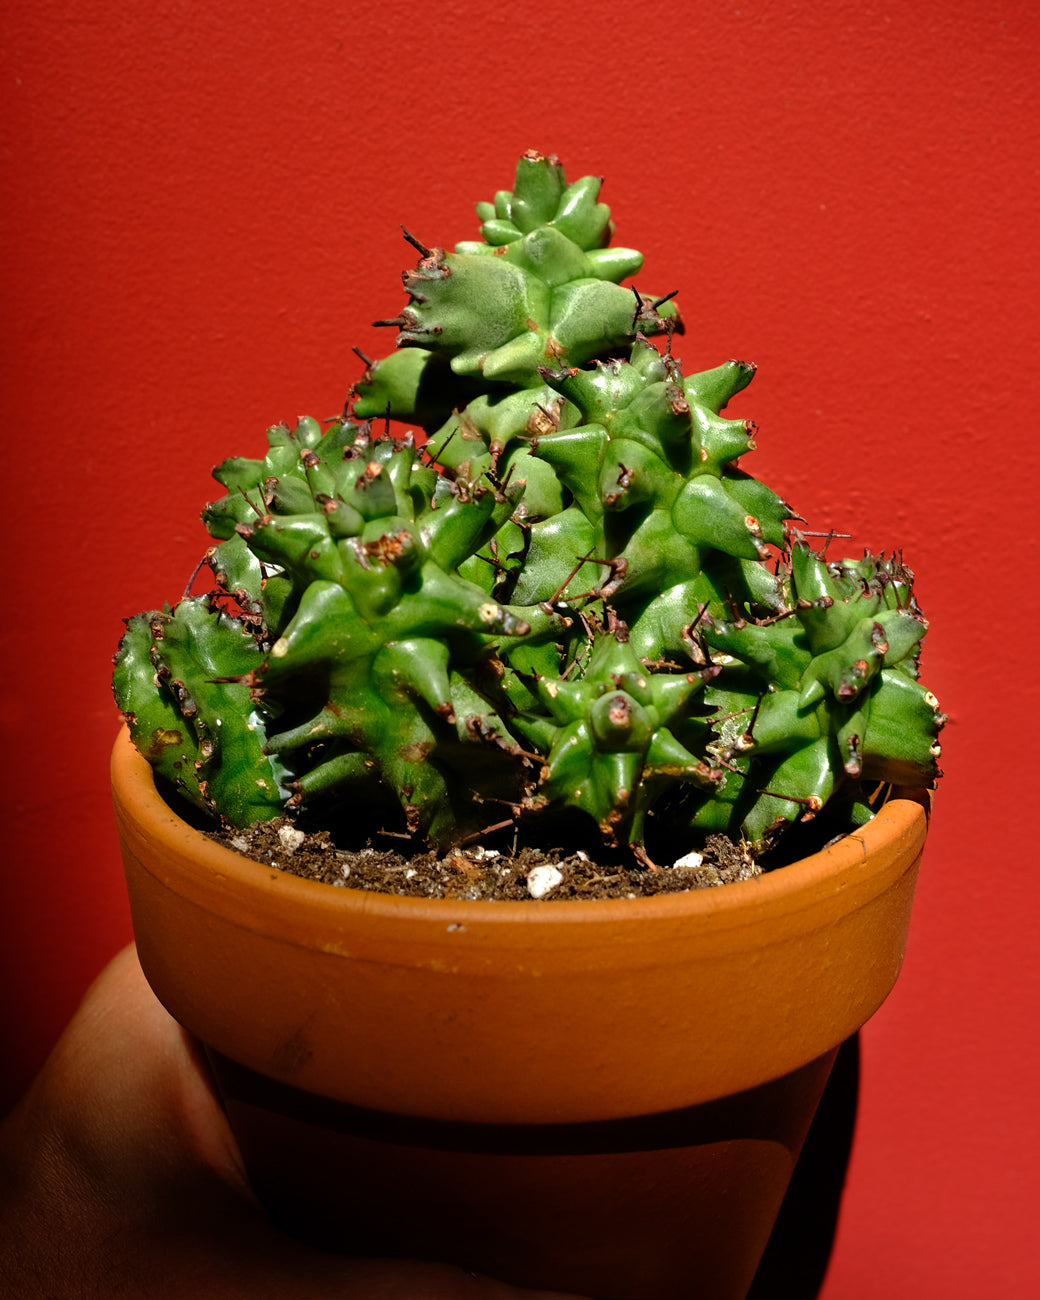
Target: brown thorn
x=436, y=455
x=256, y=509
x=196, y=571
x=728, y=717
x=881, y=794
x=775, y=618
x=546, y=412
x=640, y=853
x=701, y=611
x=583, y=560
x=739, y=621
x=750, y=732
x=415, y=243
x=813, y=801
x=478, y=835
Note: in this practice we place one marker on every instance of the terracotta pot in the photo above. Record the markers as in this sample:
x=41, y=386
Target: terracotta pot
x=605, y=1097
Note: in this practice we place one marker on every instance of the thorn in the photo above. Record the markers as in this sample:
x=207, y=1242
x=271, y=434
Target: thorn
x=777, y=618
x=699, y=652
x=880, y=795
x=256, y=509
x=398, y=322
x=366, y=361
x=479, y=835
x=415, y=243
x=660, y=301
x=640, y=853
x=813, y=803
x=436, y=455
x=618, y=571
x=728, y=717
x=196, y=571
x=749, y=733
x=503, y=486
x=701, y=611
x=739, y=621
x=582, y=560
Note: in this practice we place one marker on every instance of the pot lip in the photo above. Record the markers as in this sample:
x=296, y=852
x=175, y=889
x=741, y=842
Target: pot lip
x=791, y=887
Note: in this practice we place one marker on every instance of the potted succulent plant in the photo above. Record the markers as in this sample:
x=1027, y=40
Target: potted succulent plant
x=561, y=618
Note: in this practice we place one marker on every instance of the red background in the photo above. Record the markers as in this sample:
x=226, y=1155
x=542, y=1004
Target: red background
x=201, y=210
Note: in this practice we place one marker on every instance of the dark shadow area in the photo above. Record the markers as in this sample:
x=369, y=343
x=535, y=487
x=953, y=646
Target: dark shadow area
x=771, y=1112
x=698, y=1187
x=795, y=1261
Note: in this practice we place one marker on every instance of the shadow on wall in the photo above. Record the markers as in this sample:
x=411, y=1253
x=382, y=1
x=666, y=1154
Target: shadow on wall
x=795, y=1261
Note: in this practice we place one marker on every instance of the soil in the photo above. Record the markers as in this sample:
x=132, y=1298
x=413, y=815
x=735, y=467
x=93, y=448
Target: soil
x=478, y=872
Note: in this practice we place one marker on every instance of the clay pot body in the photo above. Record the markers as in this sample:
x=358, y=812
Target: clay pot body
x=605, y=1097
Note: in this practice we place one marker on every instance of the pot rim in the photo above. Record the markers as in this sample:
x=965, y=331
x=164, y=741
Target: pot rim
x=787, y=889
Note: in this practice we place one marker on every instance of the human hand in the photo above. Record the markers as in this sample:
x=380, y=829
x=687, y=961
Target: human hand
x=119, y=1176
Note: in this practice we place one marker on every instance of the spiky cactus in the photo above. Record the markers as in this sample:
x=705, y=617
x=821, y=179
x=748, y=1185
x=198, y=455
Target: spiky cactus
x=563, y=602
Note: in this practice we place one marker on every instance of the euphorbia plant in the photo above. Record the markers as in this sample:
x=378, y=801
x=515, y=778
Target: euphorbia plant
x=562, y=604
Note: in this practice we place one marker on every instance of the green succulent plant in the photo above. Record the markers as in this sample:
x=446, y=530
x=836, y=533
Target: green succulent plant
x=562, y=601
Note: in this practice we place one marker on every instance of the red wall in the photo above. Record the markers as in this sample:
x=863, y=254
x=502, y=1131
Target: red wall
x=203, y=204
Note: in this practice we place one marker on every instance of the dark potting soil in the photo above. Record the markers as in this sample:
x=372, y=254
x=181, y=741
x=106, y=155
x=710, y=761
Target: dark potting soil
x=478, y=872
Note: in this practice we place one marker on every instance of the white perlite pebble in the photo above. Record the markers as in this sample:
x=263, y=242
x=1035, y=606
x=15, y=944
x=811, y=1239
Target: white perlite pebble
x=689, y=862
x=291, y=838
x=543, y=880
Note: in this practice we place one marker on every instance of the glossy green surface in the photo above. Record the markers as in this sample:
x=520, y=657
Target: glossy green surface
x=570, y=603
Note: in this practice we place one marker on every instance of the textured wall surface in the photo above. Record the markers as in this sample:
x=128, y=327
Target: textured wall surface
x=200, y=218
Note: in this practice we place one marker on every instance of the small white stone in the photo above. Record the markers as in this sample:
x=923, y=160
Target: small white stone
x=689, y=862
x=543, y=880
x=478, y=853
x=345, y=869
x=410, y=873
x=241, y=843
x=291, y=838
